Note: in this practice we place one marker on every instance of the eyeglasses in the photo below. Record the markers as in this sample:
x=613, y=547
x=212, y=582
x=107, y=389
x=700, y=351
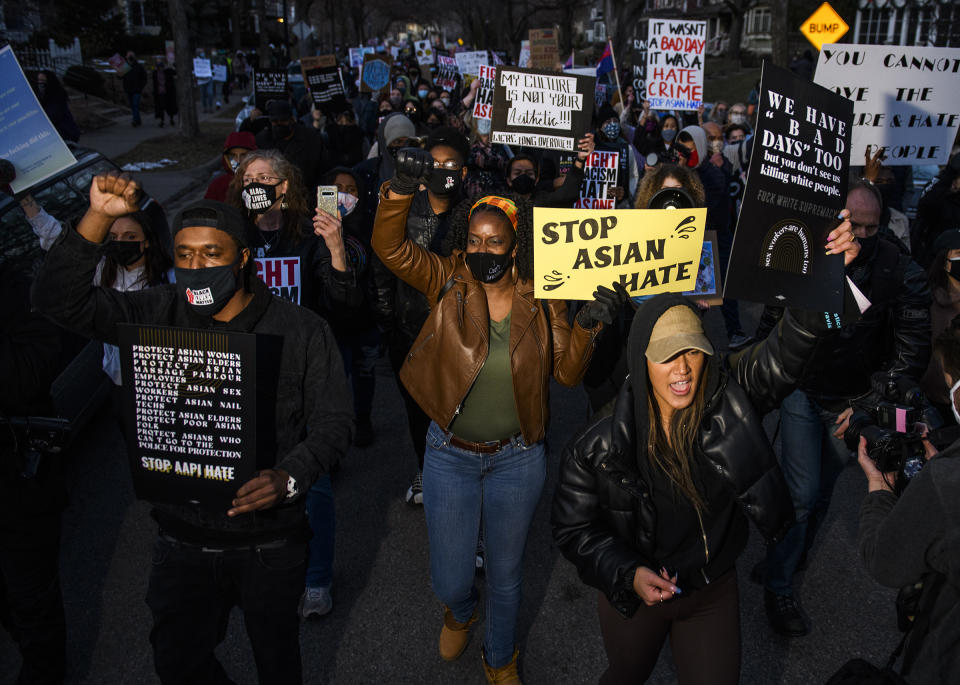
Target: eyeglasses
x=262, y=178
x=449, y=165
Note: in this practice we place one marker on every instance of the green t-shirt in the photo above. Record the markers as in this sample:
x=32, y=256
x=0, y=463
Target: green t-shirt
x=489, y=411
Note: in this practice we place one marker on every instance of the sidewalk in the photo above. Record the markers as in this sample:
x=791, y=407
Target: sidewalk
x=171, y=189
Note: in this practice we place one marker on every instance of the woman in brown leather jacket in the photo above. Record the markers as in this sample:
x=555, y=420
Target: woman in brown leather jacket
x=480, y=369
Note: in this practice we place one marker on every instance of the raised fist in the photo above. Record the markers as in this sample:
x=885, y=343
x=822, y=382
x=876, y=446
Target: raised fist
x=114, y=194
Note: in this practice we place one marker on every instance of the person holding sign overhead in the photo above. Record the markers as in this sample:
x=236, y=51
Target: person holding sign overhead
x=651, y=500
x=253, y=554
x=480, y=369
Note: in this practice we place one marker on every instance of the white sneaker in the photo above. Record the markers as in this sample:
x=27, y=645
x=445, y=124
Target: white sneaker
x=316, y=601
x=415, y=491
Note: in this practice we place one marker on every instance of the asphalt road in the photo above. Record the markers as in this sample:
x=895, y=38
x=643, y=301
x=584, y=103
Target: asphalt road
x=385, y=621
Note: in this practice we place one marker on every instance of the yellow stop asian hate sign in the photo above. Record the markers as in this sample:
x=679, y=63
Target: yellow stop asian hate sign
x=824, y=26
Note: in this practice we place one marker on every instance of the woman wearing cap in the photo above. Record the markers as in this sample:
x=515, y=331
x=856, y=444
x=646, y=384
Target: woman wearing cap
x=653, y=500
x=480, y=369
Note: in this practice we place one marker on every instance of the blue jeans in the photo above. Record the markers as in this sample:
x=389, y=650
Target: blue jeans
x=134, y=100
x=206, y=95
x=321, y=514
x=461, y=488
x=811, y=459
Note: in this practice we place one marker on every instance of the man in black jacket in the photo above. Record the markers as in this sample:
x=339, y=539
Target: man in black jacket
x=254, y=554
x=134, y=81
x=894, y=335
x=302, y=146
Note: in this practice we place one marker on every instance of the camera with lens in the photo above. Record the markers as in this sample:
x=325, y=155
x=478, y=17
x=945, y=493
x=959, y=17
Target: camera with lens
x=416, y=163
x=888, y=421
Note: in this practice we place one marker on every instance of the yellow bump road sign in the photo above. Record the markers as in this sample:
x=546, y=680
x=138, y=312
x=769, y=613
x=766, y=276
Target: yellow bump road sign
x=824, y=26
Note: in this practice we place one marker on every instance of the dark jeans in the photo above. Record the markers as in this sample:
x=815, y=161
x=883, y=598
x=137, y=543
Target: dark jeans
x=360, y=352
x=417, y=420
x=192, y=591
x=134, y=100
x=704, y=630
x=31, y=606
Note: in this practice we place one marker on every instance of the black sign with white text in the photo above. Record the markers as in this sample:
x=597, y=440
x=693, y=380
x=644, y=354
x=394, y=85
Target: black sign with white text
x=190, y=404
x=269, y=85
x=796, y=187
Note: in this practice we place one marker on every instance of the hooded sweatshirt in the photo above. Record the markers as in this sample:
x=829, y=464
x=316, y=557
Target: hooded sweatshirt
x=217, y=190
x=716, y=182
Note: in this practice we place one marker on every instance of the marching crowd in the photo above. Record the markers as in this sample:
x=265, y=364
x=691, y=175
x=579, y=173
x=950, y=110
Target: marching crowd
x=429, y=261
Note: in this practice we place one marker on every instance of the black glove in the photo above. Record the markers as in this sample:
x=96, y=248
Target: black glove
x=413, y=166
x=605, y=307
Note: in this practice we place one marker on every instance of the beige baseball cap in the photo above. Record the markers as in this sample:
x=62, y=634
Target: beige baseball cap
x=677, y=329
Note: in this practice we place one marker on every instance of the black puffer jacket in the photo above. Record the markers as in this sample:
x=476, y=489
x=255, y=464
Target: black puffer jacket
x=613, y=511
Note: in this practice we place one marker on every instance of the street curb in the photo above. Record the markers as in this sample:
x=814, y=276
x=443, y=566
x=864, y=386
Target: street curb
x=201, y=174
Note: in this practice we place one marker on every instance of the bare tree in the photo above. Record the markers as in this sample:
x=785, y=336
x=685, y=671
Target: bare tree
x=183, y=47
x=779, y=10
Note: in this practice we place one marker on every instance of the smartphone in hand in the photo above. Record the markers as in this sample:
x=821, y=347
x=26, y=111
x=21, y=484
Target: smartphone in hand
x=327, y=200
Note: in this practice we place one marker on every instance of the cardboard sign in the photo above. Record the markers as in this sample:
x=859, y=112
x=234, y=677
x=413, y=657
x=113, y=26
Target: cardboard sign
x=797, y=184
x=483, y=105
x=675, y=53
x=220, y=72
x=119, y=64
x=824, y=26
x=322, y=76
x=599, y=176
x=469, y=62
x=446, y=72
x=544, y=50
x=190, y=401
x=906, y=100
x=27, y=138
x=541, y=109
x=424, y=51
x=523, y=61
x=269, y=85
x=202, y=68
x=638, y=68
x=649, y=251
x=281, y=275
x=375, y=75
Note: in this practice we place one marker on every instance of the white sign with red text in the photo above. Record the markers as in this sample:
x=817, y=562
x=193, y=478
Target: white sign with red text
x=599, y=176
x=675, y=54
x=483, y=106
x=282, y=276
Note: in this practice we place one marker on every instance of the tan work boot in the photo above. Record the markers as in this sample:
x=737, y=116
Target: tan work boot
x=505, y=675
x=454, y=636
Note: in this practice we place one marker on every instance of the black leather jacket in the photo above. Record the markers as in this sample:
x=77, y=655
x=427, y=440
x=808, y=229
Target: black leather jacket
x=892, y=335
x=614, y=512
x=402, y=309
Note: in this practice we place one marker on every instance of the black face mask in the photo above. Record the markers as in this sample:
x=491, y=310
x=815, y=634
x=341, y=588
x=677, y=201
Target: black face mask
x=488, y=267
x=523, y=184
x=868, y=246
x=207, y=289
x=444, y=182
x=258, y=197
x=124, y=252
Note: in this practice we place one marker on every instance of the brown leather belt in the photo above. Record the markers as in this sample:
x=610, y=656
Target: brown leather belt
x=481, y=447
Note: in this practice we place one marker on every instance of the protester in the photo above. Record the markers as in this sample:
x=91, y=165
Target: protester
x=608, y=139
x=938, y=210
x=738, y=115
x=303, y=147
x=403, y=308
x=523, y=177
x=693, y=152
x=164, y=92
x=484, y=387
x=235, y=147
x=56, y=104
x=912, y=537
x=608, y=368
x=207, y=561
x=735, y=133
x=944, y=278
x=894, y=335
x=345, y=140
x=134, y=81
x=715, y=145
x=32, y=488
x=206, y=85
x=487, y=163
x=651, y=500
x=393, y=134
x=669, y=128
x=719, y=113
x=894, y=224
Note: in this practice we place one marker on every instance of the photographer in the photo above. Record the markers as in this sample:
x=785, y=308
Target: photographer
x=915, y=537
x=892, y=335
